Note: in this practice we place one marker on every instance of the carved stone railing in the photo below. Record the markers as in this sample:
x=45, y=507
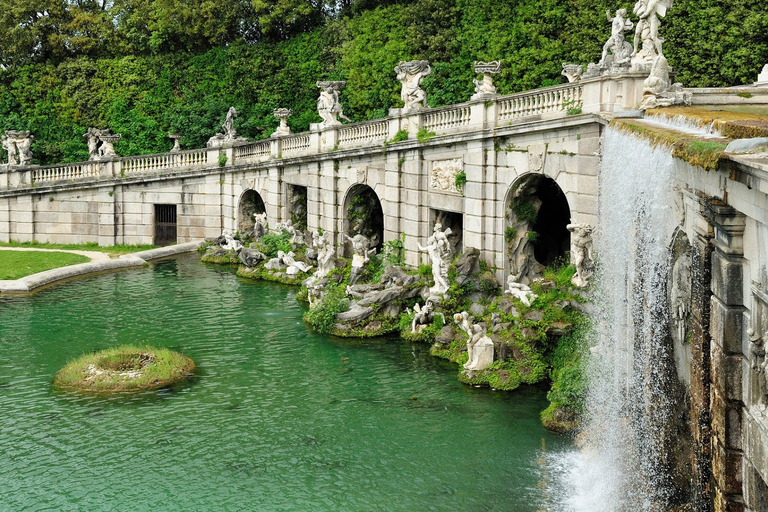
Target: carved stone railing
x=542, y=101
x=356, y=134
x=590, y=96
x=447, y=119
x=164, y=161
x=253, y=152
x=295, y=145
x=66, y=172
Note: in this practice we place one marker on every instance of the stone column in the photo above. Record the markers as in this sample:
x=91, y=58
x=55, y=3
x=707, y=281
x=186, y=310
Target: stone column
x=727, y=357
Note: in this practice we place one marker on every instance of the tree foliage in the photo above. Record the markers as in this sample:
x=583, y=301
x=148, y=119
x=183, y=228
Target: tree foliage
x=146, y=67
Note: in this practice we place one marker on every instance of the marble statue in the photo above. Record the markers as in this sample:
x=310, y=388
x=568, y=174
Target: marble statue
x=175, y=137
x=757, y=350
x=620, y=49
x=479, y=349
x=328, y=104
x=294, y=267
x=422, y=316
x=572, y=72
x=326, y=255
x=657, y=91
x=229, y=137
x=259, y=225
x=762, y=78
x=101, y=144
x=230, y=243
x=282, y=114
x=297, y=237
x=520, y=291
x=18, y=144
x=440, y=253
x=485, y=86
x=411, y=74
x=314, y=293
x=647, y=30
x=229, y=124
x=581, y=253
x=465, y=324
x=361, y=247
x=479, y=345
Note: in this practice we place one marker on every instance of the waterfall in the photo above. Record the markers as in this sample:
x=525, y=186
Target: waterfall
x=623, y=459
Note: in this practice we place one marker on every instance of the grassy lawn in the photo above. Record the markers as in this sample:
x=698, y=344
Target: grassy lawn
x=17, y=264
x=113, y=250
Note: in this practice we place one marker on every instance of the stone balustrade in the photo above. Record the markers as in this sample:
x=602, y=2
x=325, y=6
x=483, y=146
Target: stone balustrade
x=360, y=133
x=593, y=96
x=447, y=119
x=66, y=172
x=542, y=101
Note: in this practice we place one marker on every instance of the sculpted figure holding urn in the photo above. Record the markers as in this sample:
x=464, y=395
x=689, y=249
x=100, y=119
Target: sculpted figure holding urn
x=411, y=74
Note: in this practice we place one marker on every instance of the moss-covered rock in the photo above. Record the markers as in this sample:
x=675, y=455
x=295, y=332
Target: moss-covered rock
x=127, y=368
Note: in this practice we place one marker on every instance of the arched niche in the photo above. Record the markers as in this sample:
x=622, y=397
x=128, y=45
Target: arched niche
x=250, y=204
x=535, y=234
x=363, y=214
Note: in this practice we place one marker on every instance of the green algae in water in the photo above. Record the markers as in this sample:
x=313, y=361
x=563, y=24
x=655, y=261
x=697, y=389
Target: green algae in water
x=279, y=418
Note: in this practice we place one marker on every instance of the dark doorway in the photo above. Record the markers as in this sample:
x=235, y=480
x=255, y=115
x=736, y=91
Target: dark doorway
x=165, y=224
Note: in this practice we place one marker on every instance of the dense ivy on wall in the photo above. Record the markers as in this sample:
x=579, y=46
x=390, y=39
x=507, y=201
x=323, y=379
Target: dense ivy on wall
x=145, y=68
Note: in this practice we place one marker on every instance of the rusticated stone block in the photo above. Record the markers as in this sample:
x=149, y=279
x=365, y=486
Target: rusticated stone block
x=726, y=326
x=727, y=279
x=726, y=421
x=726, y=503
x=726, y=468
x=726, y=373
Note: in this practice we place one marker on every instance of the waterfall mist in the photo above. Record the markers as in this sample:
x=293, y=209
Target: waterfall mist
x=624, y=458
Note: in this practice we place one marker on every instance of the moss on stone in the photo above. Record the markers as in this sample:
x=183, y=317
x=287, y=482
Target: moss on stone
x=126, y=368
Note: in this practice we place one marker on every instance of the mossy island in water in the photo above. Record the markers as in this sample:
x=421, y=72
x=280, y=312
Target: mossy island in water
x=126, y=368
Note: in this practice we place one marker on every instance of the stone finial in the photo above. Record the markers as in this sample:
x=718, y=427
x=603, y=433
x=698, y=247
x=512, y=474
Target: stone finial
x=657, y=90
x=411, y=74
x=762, y=78
x=647, y=32
x=328, y=104
x=101, y=144
x=282, y=114
x=485, y=86
x=621, y=50
x=18, y=145
x=572, y=72
x=175, y=137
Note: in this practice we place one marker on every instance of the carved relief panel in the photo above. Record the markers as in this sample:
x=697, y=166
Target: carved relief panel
x=442, y=175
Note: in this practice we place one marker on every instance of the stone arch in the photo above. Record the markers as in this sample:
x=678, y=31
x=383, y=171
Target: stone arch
x=363, y=214
x=250, y=204
x=536, y=216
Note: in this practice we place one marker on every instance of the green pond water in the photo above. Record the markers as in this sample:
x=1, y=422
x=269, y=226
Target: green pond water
x=278, y=418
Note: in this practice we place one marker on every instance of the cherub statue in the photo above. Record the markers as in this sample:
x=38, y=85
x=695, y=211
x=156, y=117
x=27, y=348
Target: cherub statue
x=328, y=104
x=617, y=44
x=411, y=74
x=423, y=315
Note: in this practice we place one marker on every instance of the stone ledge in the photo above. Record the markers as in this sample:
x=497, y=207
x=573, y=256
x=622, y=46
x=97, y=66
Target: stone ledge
x=139, y=259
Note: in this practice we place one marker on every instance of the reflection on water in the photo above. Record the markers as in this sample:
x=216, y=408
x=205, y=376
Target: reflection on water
x=277, y=418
